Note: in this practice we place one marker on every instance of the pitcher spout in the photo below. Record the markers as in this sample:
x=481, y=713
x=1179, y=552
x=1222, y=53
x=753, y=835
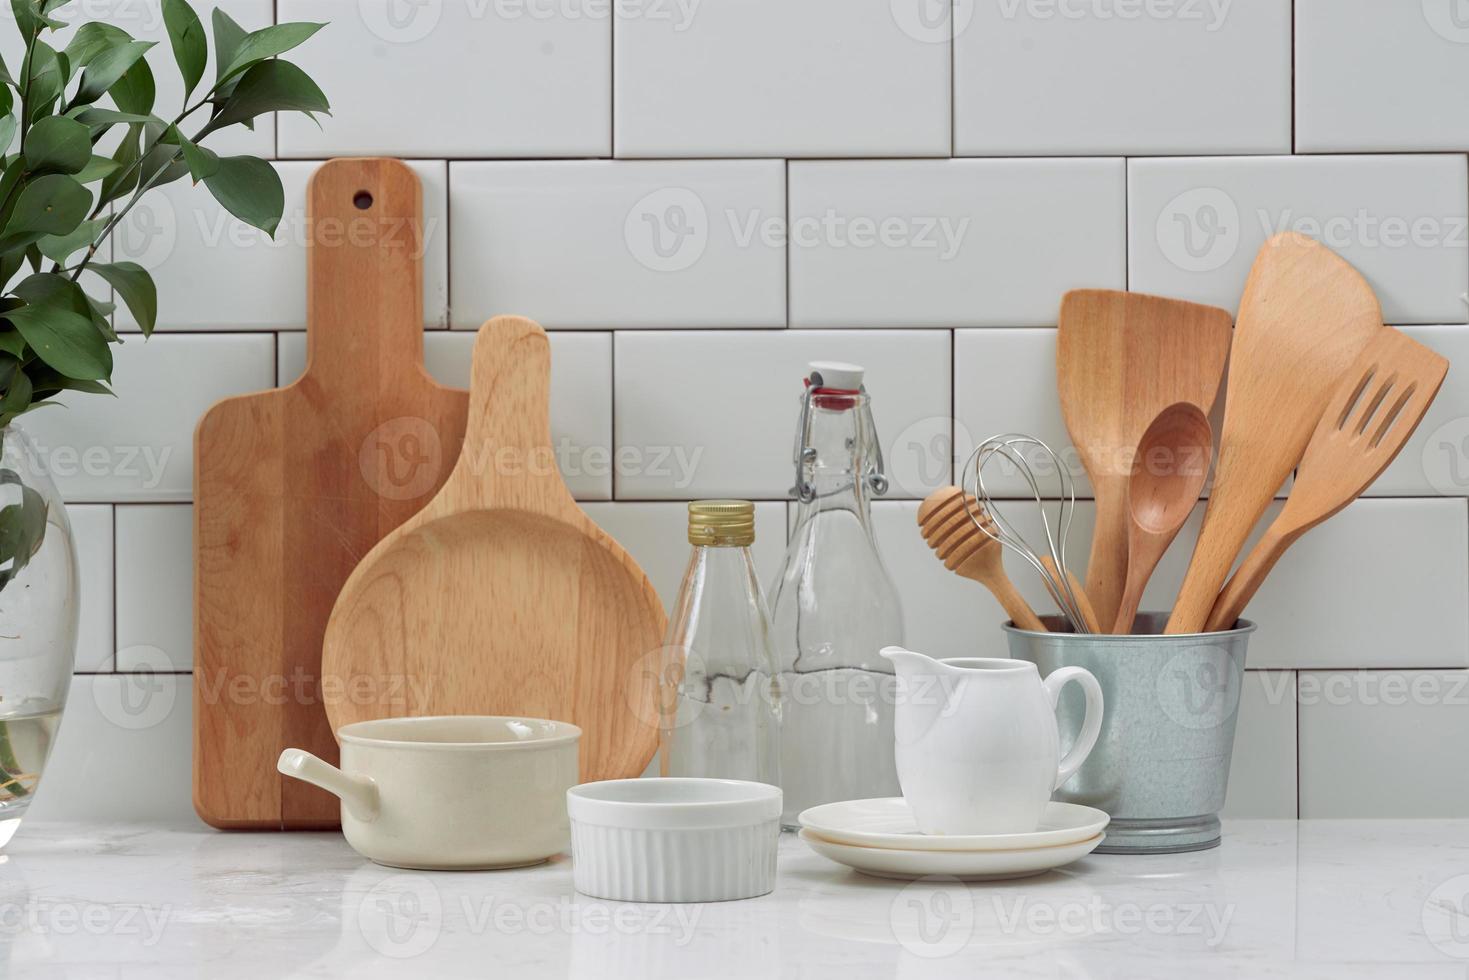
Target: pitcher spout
x=925, y=686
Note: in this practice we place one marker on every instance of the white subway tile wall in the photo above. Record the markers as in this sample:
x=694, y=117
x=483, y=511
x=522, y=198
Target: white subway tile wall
x=697, y=198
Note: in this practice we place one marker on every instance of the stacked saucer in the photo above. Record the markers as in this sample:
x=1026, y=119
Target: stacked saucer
x=880, y=837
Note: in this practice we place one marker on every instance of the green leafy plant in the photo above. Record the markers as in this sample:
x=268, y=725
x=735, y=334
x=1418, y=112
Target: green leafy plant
x=60, y=198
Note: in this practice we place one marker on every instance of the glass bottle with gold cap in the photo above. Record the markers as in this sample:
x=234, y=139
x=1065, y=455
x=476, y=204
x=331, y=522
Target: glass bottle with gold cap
x=720, y=706
x=835, y=606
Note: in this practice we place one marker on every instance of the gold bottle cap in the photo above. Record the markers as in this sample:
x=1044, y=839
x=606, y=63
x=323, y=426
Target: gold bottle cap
x=722, y=523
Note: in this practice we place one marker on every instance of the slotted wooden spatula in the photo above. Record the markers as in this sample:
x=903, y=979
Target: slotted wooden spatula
x=1121, y=358
x=292, y=487
x=501, y=597
x=1305, y=316
x=1371, y=417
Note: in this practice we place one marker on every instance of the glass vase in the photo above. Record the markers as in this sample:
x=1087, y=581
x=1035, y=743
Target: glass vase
x=39, y=607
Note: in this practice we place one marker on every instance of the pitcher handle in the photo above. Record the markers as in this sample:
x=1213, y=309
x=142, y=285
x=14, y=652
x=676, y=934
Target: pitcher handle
x=1091, y=725
x=357, y=793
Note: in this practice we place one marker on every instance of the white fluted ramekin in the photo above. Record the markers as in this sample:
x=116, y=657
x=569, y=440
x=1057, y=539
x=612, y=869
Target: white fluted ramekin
x=674, y=840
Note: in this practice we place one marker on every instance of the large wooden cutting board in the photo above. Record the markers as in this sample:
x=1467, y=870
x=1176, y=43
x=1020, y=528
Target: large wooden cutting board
x=292, y=487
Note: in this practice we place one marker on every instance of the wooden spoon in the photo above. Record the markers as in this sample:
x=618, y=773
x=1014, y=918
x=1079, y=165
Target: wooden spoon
x=501, y=597
x=1121, y=358
x=1372, y=415
x=1305, y=316
x=967, y=551
x=1168, y=474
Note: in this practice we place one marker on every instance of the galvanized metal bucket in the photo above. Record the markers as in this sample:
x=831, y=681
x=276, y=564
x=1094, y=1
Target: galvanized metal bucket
x=1161, y=764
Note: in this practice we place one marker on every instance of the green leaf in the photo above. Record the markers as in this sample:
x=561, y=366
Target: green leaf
x=122, y=180
x=107, y=69
x=96, y=169
x=47, y=73
x=57, y=144
x=65, y=340
x=203, y=163
x=7, y=133
x=227, y=38
x=11, y=342
x=30, y=18
x=267, y=42
x=58, y=290
x=186, y=35
x=90, y=40
x=50, y=205
x=269, y=86
x=5, y=76
x=18, y=392
x=135, y=287
x=22, y=529
x=59, y=248
x=7, y=103
x=249, y=189
x=134, y=92
x=94, y=116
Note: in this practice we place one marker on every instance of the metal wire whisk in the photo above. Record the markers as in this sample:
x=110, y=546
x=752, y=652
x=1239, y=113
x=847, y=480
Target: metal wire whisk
x=992, y=522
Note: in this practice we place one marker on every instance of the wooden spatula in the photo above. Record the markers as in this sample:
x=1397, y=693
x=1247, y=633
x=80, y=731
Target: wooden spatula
x=968, y=552
x=501, y=597
x=1370, y=418
x=1121, y=358
x=1305, y=316
x=292, y=487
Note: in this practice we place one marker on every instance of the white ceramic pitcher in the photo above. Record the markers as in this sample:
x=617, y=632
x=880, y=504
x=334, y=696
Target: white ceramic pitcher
x=977, y=743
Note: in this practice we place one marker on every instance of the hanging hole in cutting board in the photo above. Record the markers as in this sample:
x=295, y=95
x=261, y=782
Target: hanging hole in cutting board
x=362, y=200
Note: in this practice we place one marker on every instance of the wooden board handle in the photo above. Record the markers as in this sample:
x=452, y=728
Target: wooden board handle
x=507, y=459
x=364, y=267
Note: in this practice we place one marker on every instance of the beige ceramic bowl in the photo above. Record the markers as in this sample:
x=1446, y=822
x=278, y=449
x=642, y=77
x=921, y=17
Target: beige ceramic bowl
x=450, y=793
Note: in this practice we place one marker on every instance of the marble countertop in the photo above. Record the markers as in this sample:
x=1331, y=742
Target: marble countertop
x=1279, y=898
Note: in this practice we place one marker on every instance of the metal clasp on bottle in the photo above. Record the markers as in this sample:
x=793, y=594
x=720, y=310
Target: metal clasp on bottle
x=875, y=476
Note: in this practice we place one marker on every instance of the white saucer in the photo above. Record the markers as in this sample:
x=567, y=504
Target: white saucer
x=889, y=823
x=885, y=862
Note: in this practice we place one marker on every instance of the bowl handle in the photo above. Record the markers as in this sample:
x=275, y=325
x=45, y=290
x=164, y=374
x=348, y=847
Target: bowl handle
x=358, y=793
